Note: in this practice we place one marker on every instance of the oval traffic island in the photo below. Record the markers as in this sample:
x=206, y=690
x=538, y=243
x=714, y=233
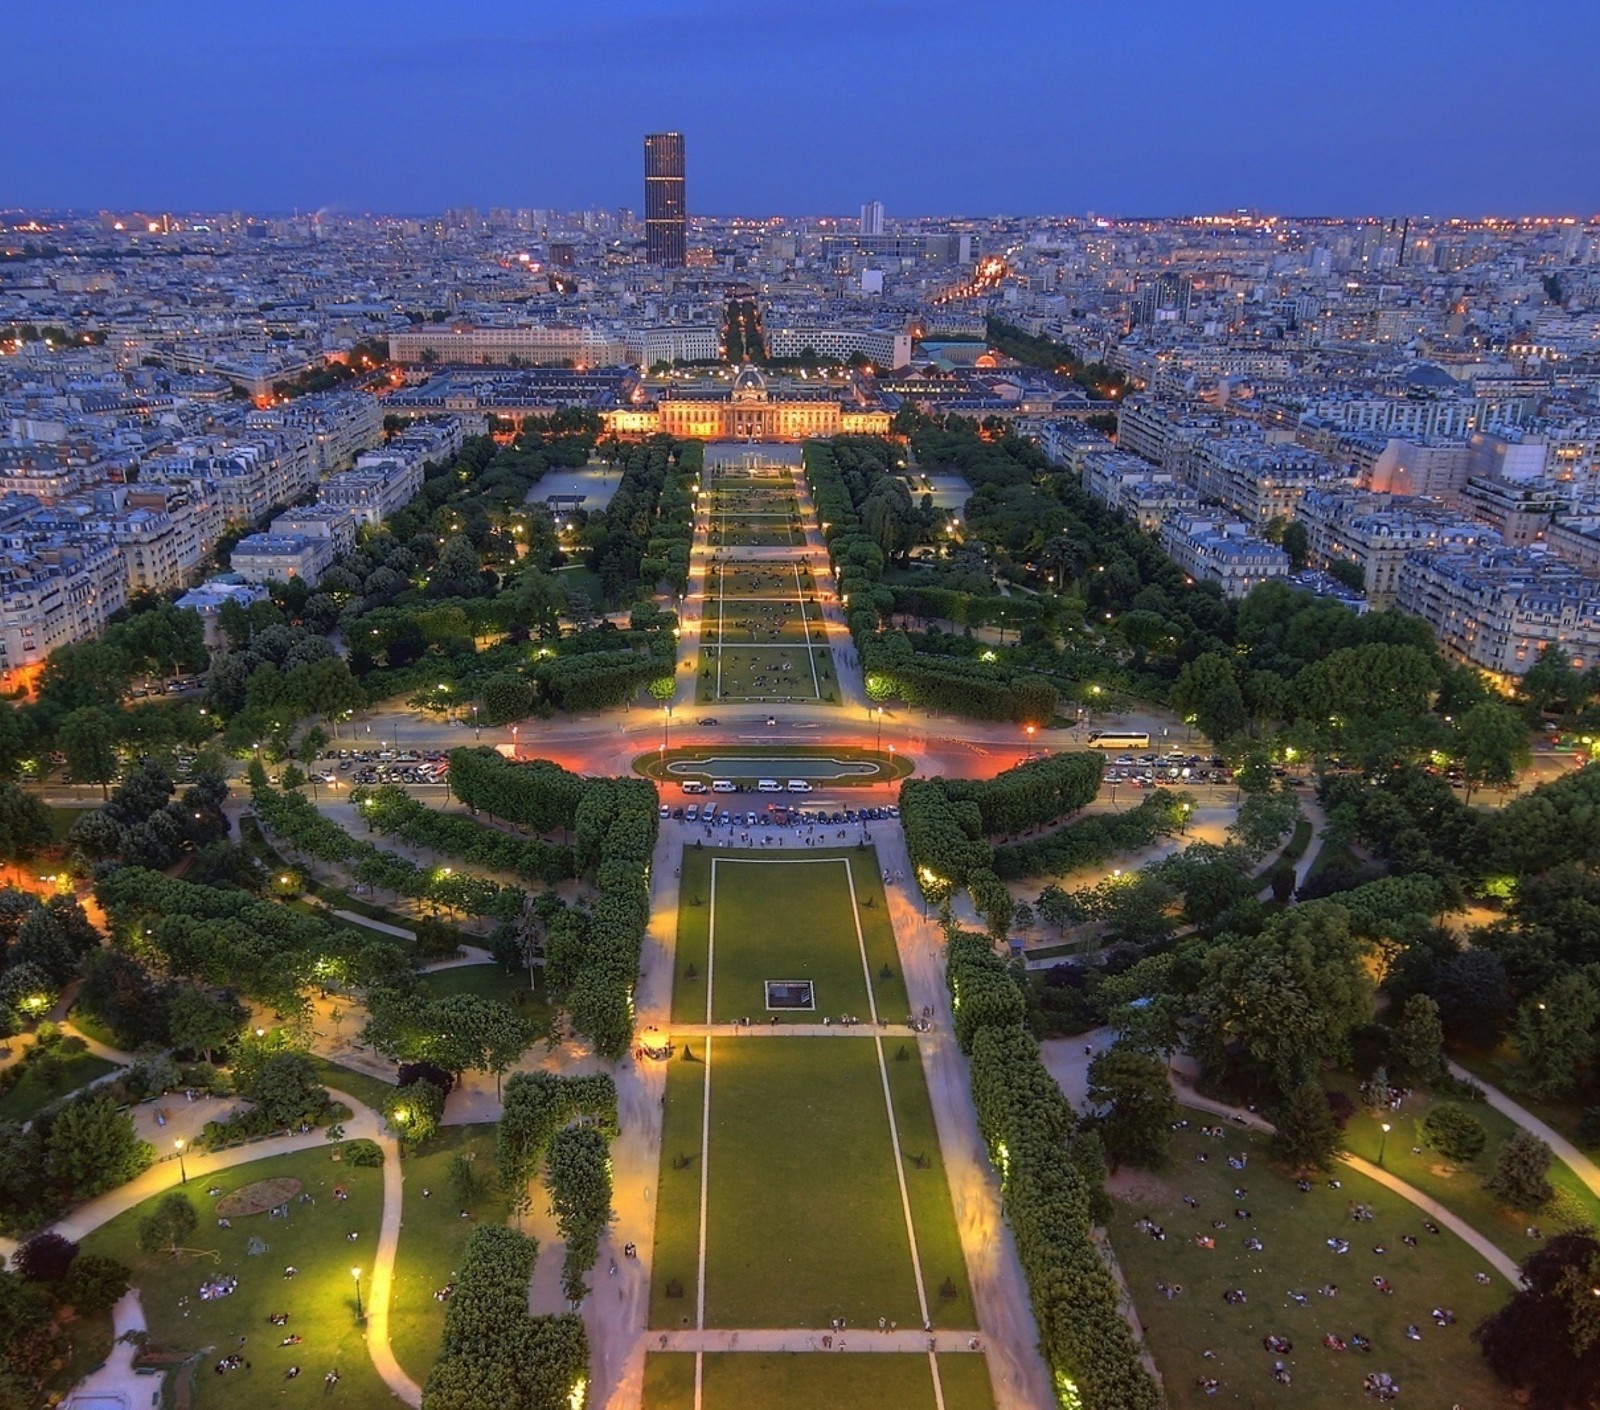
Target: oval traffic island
x=839, y=766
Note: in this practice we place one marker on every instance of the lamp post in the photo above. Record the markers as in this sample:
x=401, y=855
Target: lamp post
x=666, y=726
x=477, y=729
x=1383, y=1142
x=879, y=713
x=356, y=1274
x=183, y=1172
x=1029, y=732
x=513, y=742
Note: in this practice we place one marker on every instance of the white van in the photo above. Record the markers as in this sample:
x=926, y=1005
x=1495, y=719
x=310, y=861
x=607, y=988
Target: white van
x=798, y=785
x=694, y=786
x=724, y=785
x=768, y=785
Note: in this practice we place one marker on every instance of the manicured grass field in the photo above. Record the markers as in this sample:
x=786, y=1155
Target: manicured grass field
x=45, y=1080
x=320, y=1299
x=760, y=580
x=1443, y=1368
x=771, y=674
x=790, y=919
x=432, y=1238
x=766, y=531
x=1459, y=1187
x=744, y=621
x=676, y=1260
x=803, y=1219
x=798, y=1381
x=944, y=1270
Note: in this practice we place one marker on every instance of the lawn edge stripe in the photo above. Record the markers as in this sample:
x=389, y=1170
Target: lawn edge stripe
x=810, y=651
x=705, y=1135
x=894, y=1126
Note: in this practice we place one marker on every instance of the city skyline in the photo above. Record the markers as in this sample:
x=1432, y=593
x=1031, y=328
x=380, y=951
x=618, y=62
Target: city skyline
x=1041, y=110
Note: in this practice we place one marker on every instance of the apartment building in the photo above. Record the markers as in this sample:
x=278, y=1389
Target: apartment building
x=1217, y=549
x=1499, y=608
x=53, y=593
x=1377, y=531
x=278, y=558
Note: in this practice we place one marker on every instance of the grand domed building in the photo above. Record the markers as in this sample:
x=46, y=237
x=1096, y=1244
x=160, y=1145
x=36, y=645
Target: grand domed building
x=755, y=408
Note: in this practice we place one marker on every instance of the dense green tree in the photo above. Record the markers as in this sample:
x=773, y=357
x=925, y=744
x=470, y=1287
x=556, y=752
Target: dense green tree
x=1207, y=690
x=1545, y=1342
x=1519, y=1178
x=1307, y=1136
x=1418, y=1042
x=1554, y=1035
x=88, y=737
x=165, y=1228
x=1491, y=744
x=1138, y=1106
x=202, y=1021
x=92, y=1147
x=1454, y=1132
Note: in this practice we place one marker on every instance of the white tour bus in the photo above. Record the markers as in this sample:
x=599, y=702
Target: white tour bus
x=1120, y=739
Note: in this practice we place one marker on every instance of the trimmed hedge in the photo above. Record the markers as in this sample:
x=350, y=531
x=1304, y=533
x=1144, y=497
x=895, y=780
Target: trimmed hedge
x=493, y=1352
x=1030, y=1132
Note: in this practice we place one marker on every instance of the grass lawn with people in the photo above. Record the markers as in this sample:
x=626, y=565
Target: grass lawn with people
x=790, y=581
x=433, y=1235
x=798, y=1381
x=320, y=1298
x=769, y=674
x=1458, y=1186
x=1295, y=1262
x=789, y=919
x=490, y=981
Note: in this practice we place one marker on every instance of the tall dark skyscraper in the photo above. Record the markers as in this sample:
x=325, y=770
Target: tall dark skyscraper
x=665, y=216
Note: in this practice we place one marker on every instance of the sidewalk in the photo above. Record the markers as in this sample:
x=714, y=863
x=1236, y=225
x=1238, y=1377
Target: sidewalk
x=1567, y=1153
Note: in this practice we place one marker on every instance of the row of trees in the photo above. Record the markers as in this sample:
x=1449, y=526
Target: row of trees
x=614, y=823
x=394, y=812
x=866, y=515
x=492, y=1351
x=1051, y=1174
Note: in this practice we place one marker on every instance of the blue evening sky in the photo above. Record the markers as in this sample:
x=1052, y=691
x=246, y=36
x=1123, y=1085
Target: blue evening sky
x=806, y=107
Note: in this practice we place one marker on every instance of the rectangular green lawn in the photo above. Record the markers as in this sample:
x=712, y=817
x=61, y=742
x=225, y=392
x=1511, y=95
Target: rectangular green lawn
x=320, y=1299
x=789, y=919
x=803, y=1218
x=431, y=1239
x=760, y=580
x=743, y=621
x=1443, y=1368
x=766, y=674
x=675, y=1265
x=775, y=1380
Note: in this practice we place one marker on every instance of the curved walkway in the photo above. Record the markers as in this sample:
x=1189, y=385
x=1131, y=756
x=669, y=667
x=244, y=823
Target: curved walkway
x=1567, y=1153
x=1502, y=1263
x=365, y=1123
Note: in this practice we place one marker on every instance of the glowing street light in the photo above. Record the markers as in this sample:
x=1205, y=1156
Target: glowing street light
x=183, y=1172
x=1383, y=1142
x=356, y=1274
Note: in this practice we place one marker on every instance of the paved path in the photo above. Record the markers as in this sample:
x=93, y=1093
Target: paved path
x=116, y=1382
x=1009, y=1335
x=713, y=1340
x=382, y=927
x=1501, y=1262
x=1567, y=1153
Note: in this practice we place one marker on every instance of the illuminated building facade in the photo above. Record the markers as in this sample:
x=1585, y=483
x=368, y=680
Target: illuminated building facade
x=665, y=214
x=751, y=410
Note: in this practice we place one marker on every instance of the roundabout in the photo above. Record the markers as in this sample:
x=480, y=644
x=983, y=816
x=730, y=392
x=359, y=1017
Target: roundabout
x=840, y=766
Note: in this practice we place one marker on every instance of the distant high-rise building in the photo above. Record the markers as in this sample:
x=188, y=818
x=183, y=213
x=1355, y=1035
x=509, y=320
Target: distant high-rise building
x=1165, y=299
x=665, y=215
x=872, y=218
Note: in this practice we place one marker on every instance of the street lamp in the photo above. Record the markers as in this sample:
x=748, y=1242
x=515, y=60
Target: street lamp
x=1183, y=827
x=513, y=742
x=1029, y=732
x=183, y=1172
x=477, y=729
x=666, y=726
x=879, y=713
x=1383, y=1143
x=356, y=1274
